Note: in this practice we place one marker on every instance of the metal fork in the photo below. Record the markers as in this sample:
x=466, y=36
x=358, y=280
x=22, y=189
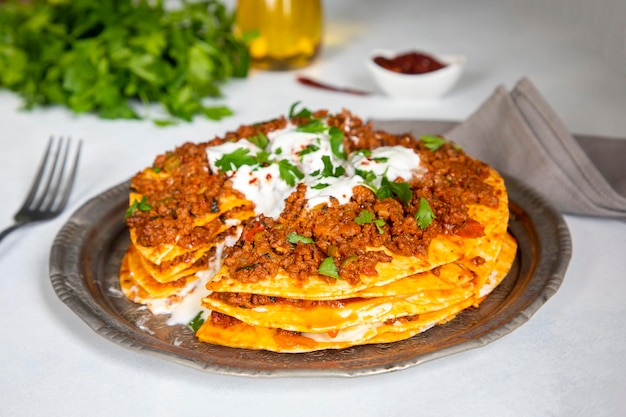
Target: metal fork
x=51, y=187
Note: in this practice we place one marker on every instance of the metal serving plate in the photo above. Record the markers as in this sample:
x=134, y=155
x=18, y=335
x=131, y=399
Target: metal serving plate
x=88, y=250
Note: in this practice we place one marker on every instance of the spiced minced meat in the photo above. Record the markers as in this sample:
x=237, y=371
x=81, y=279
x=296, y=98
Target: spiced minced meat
x=183, y=188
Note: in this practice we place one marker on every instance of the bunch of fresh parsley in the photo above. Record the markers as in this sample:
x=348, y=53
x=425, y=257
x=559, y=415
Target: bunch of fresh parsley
x=107, y=56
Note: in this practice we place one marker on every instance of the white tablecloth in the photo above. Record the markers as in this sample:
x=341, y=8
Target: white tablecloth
x=569, y=359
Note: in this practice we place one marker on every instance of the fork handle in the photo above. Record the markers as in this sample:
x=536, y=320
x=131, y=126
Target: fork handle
x=10, y=229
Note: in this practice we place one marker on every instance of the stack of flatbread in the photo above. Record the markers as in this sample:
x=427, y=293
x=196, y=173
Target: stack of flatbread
x=185, y=214
x=408, y=295
x=161, y=275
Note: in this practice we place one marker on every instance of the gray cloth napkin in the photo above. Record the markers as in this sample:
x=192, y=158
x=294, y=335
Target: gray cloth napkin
x=520, y=135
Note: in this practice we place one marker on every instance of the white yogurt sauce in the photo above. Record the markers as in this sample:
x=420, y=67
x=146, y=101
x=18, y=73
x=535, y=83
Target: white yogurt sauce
x=264, y=186
x=191, y=305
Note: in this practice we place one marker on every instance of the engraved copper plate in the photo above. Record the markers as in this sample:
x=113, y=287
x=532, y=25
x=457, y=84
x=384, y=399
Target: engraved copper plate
x=88, y=250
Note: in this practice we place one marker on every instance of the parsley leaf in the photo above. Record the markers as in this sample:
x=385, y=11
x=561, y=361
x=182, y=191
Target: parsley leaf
x=364, y=152
x=368, y=176
x=289, y=172
x=366, y=217
x=196, y=322
x=103, y=56
x=259, y=140
x=302, y=113
x=138, y=205
x=330, y=170
x=336, y=142
x=314, y=126
x=293, y=237
x=432, y=142
x=328, y=268
x=424, y=214
x=309, y=149
x=237, y=158
x=320, y=186
x=389, y=189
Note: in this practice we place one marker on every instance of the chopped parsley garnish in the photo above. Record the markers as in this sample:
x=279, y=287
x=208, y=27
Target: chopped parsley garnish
x=304, y=112
x=330, y=170
x=196, y=322
x=364, y=152
x=263, y=157
x=289, y=172
x=309, y=149
x=314, y=126
x=328, y=268
x=294, y=238
x=380, y=159
x=431, y=142
x=320, y=186
x=260, y=140
x=237, y=158
x=390, y=189
x=368, y=176
x=425, y=214
x=138, y=205
x=366, y=217
x=336, y=142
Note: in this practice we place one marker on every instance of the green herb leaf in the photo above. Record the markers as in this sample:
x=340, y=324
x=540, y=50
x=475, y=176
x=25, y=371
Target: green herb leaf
x=424, y=214
x=389, y=189
x=263, y=157
x=330, y=170
x=304, y=112
x=237, y=158
x=379, y=223
x=366, y=217
x=259, y=140
x=364, y=152
x=216, y=112
x=320, y=186
x=102, y=56
x=138, y=205
x=328, y=268
x=196, y=322
x=314, y=126
x=295, y=238
x=432, y=142
x=289, y=172
x=336, y=142
x=309, y=149
x=368, y=176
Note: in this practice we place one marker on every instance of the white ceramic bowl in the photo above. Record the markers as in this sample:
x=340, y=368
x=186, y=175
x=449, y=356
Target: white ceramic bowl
x=427, y=85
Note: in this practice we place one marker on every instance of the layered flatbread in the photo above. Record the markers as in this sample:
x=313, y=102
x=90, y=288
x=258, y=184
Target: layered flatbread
x=315, y=231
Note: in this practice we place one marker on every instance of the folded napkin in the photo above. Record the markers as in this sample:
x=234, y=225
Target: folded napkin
x=520, y=135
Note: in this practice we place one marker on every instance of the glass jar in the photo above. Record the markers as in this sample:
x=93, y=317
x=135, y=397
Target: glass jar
x=289, y=32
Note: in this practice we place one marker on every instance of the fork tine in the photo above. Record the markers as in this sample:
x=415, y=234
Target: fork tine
x=42, y=166
x=55, y=177
x=64, y=196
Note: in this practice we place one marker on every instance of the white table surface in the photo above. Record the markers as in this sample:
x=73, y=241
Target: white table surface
x=568, y=360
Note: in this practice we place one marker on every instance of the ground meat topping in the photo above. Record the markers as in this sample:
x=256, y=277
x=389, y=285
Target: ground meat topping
x=180, y=187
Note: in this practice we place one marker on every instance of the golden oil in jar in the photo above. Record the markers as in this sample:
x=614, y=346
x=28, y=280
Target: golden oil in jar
x=289, y=32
